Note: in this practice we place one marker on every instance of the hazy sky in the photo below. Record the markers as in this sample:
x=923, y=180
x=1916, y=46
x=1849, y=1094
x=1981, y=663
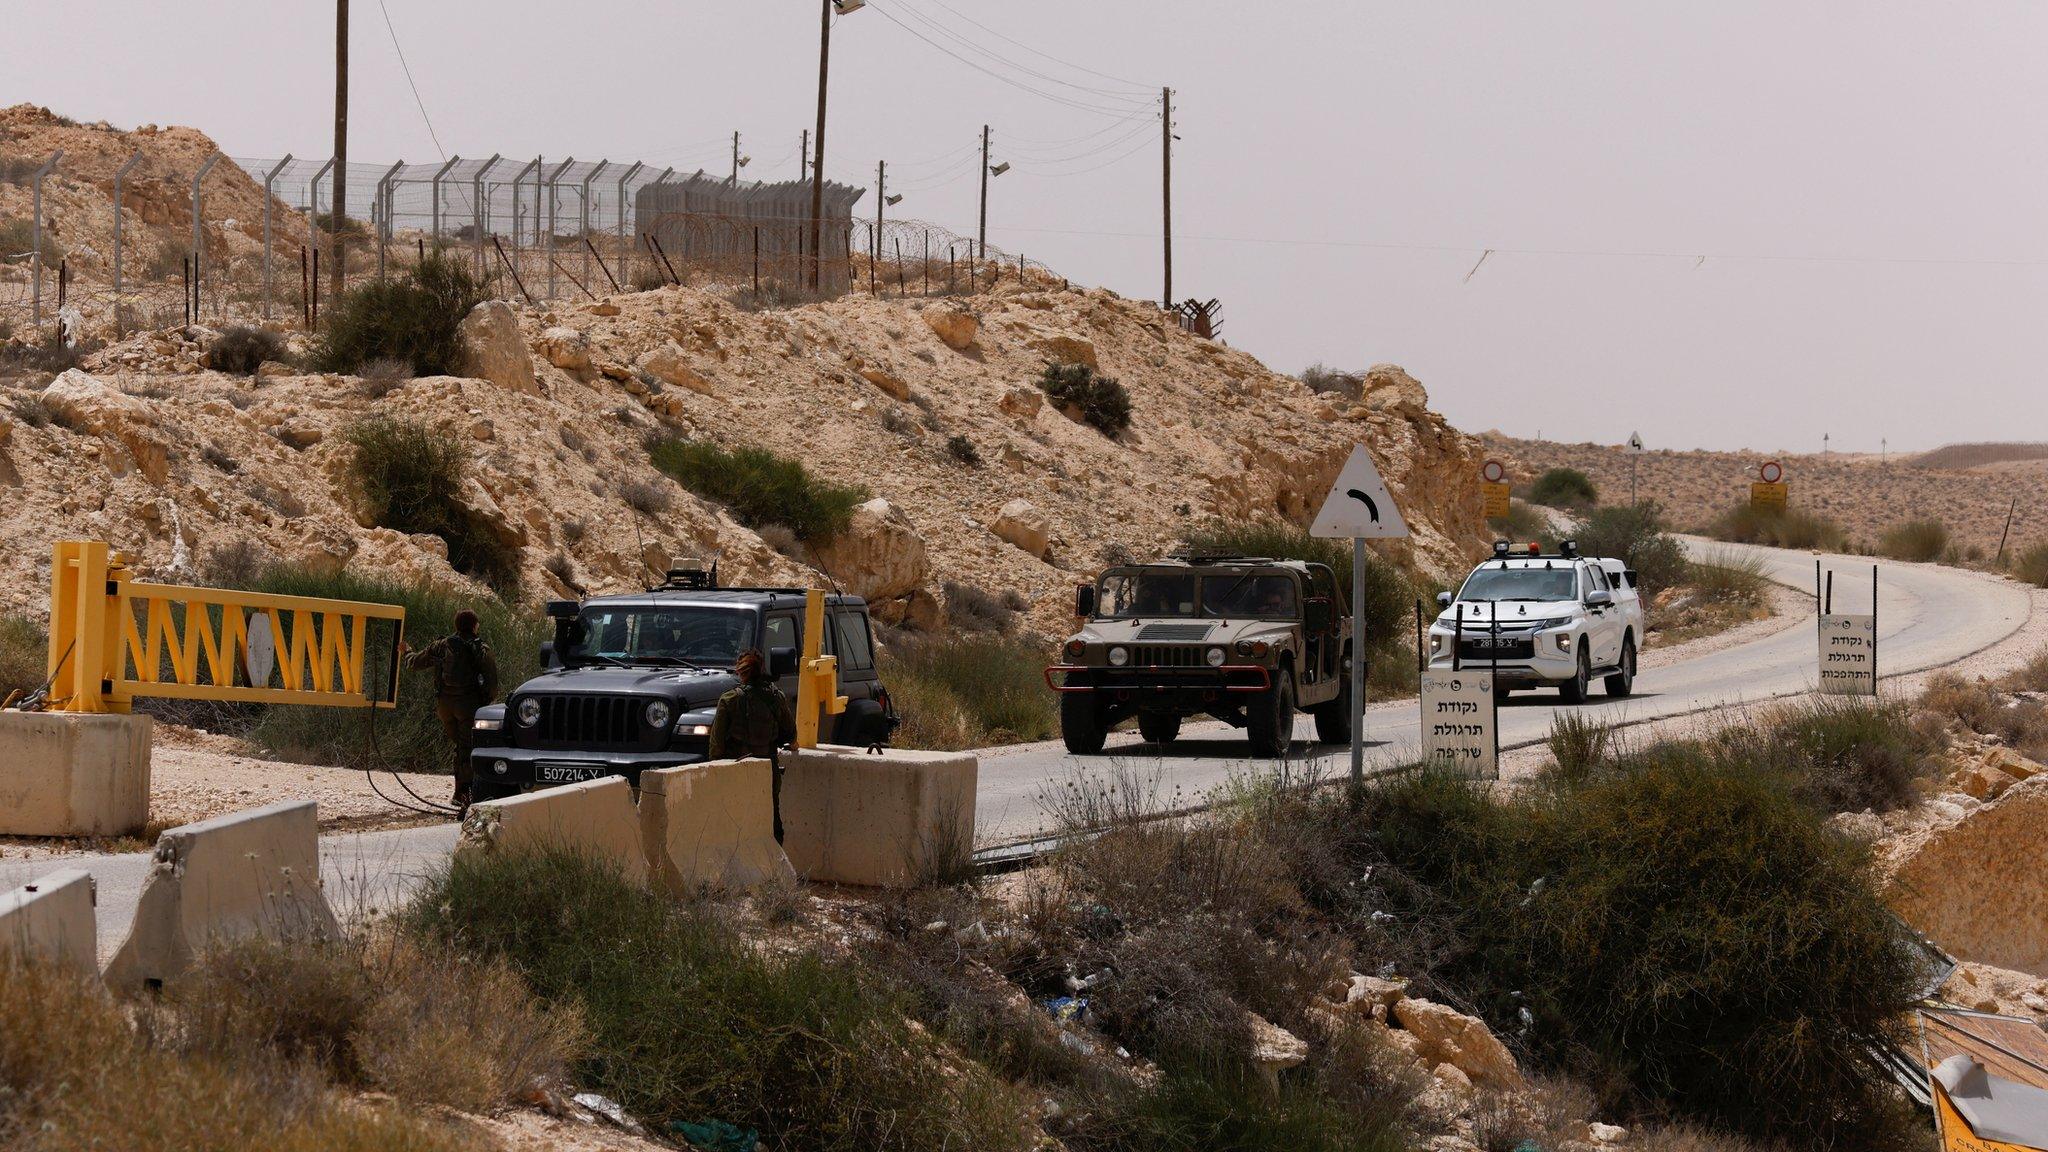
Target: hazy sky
x=1866, y=180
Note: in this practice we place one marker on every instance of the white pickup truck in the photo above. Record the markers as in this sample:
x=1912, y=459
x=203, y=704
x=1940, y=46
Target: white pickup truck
x=1538, y=620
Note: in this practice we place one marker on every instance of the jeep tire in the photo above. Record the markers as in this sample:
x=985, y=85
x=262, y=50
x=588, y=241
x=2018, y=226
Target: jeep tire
x=1081, y=726
x=1623, y=681
x=1269, y=718
x=1576, y=689
x=1158, y=727
x=1333, y=716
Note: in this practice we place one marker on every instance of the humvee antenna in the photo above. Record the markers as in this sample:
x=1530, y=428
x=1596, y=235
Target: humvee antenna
x=646, y=569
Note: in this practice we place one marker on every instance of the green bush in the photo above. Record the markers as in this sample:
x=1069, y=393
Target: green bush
x=1921, y=541
x=760, y=487
x=408, y=737
x=1104, y=404
x=1524, y=524
x=24, y=653
x=411, y=479
x=969, y=691
x=1842, y=753
x=241, y=349
x=690, y=1020
x=1679, y=924
x=1636, y=535
x=1786, y=528
x=2031, y=565
x=414, y=317
x=1726, y=575
x=18, y=238
x=1564, y=488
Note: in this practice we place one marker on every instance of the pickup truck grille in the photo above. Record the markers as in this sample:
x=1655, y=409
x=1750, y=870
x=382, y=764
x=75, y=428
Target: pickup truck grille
x=595, y=723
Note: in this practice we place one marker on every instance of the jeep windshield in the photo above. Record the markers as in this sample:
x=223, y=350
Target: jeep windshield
x=661, y=635
x=1540, y=584
x=1150, y=595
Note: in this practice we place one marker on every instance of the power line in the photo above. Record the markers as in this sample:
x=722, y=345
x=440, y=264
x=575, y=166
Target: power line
x=1069, y=102
x=1140, y=146
x=1026, y=144
x=999, y=58
x=1144, y=128
x=1146, y=88
x=407, y=69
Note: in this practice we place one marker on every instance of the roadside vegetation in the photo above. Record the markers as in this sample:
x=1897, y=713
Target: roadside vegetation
x=1786, y=528
x=964, y=689
x=1524, y=524
x=2031, y=565
x=760, y=487
x=410, y=478
x=24, y=653
x=1692, y=598
x=1921, y=541
x=414, y=316
x=1101, y=402
x=1564, y=488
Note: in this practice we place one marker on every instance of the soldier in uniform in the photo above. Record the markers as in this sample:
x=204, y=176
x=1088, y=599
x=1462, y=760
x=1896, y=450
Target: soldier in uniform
x=465, y=679
x=753, y=720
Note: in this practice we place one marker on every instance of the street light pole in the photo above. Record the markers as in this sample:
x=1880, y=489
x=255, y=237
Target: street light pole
x=981, y=241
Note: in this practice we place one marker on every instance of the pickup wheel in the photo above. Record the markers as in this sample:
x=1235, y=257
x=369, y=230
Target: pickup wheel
x=1158, y=727
x=1333, y=716
x=1081, y=726
x=1576, y=689
x=1623, y=681
x=1269, y=718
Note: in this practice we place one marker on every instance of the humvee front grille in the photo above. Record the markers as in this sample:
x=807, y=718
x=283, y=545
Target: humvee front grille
x=592, y=722
x=1168, y=656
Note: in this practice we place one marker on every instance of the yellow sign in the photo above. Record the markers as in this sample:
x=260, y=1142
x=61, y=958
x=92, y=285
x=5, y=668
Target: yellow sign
x=817, y=683
x=1496, y=500
x=1771, y=496
x=102, y=655
x=1956, y=1135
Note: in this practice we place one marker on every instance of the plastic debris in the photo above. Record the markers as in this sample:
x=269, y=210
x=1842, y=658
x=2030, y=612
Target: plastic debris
x=715, y=1136
x=1067, y=1009
x=611, y=1110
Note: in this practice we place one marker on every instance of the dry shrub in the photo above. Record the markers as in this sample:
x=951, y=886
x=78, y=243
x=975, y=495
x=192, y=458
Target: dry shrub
x=1921, y=541
x=957, y=692
x=31, y=409
x=241, y=349
x=2031, y=677
x=24, y=653
x=382, y=376
x=2029, y=566
x=646, y=497
x=970, y=609
x=1686, y=1138
x=1978, y=707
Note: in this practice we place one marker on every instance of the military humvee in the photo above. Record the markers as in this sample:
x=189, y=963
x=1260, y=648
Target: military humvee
x=1244, y=639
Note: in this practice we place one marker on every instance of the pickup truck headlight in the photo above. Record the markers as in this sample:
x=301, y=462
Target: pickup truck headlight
x=658, y=713
x=1564, y=642
x=529, y=712
x=1119, y=656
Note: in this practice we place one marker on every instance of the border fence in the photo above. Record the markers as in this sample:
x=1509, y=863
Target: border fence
x=150, y=244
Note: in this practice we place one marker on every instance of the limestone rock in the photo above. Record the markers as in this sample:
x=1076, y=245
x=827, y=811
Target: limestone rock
x=954, y=325
x=1389, y=386
x=1447, y=1036
x=483, y=509
x=85, y=404
x=1606, y=1133
x=1274, y=1050
x=1065, y=347
x=887, y=381
x=494, y=350
x=603, y=308
x=1021, y=402
x=1021, y=523
x=1982, y=781
x=567, y=349
x=1364, y=993
x=671, y=365
x=880, y=555
x=1863, y=827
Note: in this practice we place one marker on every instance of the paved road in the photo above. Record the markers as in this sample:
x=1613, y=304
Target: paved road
x=1927, y=616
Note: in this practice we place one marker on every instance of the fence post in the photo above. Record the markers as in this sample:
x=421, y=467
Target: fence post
x=120, y=175
x=451, y=162
x=623, y=251
x=198, y=233
x=36, y=258
x=478, y=202
x=554, y=214
x=313, y=210
x=385, y=202
x=583, y=213
x=757, y=260
x=305, y=297
x=518, y=178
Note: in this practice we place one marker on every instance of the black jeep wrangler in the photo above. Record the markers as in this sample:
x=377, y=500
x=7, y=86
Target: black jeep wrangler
x=631, y=682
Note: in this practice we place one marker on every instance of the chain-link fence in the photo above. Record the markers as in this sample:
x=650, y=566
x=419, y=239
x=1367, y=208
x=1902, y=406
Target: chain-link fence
x=100, y=245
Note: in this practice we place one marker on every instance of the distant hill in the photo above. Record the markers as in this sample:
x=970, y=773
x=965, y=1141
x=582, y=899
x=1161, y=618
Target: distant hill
x=1966, y=456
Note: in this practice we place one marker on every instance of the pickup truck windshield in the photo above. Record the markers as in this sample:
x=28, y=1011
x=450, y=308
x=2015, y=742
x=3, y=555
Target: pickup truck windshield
x=1521, y=584
x=662, y=634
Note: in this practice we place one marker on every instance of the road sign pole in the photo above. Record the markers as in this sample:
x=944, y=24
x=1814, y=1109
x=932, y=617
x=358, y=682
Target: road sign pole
x=1357, y=660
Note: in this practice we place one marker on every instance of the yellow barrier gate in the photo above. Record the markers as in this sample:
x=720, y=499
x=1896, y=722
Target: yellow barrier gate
x=817, y=683
x=200, y=643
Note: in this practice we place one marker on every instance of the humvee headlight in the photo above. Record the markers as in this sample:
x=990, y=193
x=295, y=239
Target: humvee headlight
x=1252, y=647
x=1076, y=649
x=658, y=713
x=1119, y=656
x=529, y=712
x=1215, y=657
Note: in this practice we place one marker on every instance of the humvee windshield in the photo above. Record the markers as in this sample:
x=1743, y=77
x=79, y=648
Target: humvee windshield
x=661, y=634
x=1123, y=595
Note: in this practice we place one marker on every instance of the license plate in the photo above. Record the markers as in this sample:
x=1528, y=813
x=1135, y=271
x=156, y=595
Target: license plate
x=1494, y=642
x=546, y=773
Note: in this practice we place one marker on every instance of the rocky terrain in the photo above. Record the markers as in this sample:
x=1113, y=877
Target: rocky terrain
x=1864, y=494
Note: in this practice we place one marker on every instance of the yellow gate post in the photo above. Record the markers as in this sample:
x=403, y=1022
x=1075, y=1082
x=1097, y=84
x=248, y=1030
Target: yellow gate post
x=817, y=683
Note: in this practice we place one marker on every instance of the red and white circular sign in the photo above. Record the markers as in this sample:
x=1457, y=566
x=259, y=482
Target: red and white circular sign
x=1493, y=471
x=1772, y=472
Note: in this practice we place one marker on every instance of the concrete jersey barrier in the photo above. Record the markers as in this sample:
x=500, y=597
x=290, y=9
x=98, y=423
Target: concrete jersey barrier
x=853, y=817
x=51, y=920
x=73, y=774
x=595, y=818
x=711, y=825
x=247, y=874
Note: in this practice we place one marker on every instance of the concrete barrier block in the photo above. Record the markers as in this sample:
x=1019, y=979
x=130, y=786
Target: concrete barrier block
x=595, y=818
x=73, y=774
x=851, y=817
x=51, y=920
x=711, y=825
x=235, y=877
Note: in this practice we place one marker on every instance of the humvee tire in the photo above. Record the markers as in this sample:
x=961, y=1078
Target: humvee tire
x=1269, y=718
x=1081, y=727
x=1333, y=717
x=1158, y=727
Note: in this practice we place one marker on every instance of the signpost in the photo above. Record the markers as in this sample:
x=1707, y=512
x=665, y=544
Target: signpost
x=1769, y=492
x=1494, y=488
x=1359, y=507
x=1635, y=453
x=1848, y=642
x=1459, y=722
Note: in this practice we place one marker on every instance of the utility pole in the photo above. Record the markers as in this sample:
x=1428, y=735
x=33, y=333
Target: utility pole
x=1166, y=179
x=803, y=156
x=338, y=206
x=881, y=200
x=735, y=160
x=981, y=244
x=818, y=157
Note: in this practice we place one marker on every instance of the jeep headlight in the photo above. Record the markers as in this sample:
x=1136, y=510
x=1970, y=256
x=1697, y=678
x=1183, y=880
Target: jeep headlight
x=1119, y=656
x=488, y=723
x=658, y=713
x=529, y=712
x=693, y=724
x=1215, y=657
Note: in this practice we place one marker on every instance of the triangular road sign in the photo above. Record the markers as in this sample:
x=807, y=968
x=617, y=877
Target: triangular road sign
x=1359, y=504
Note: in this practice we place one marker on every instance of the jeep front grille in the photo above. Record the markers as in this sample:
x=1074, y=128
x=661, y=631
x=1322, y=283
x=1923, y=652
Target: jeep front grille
x=592, y=722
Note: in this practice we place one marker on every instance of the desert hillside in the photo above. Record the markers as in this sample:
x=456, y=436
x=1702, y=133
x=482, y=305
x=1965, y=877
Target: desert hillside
x=1864, y=494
